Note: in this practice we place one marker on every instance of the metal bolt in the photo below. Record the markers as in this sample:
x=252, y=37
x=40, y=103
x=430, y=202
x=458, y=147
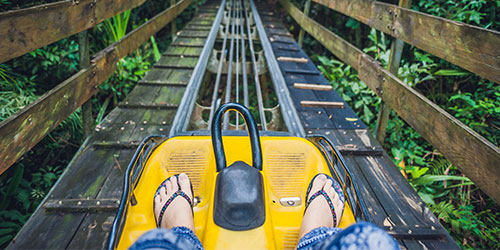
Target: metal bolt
x=59, y=202
x=145, y=122
x=141, y=129
x=79, y=203
x=122, y=128
x=98, y=203
x=161, y=129
x=410, y=232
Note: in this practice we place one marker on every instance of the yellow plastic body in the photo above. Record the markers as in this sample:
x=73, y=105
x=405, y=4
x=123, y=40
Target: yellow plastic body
x=289, y=165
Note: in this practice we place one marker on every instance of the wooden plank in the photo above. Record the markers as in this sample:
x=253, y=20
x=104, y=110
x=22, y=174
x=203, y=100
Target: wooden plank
x=475, y=156
x=322, y=104
x=311, y=86
x=82, y=205
x=468, y=46
x=82, y=179
x=31, y=28
x=94, y=230
x=26, y=128
x=293, y=59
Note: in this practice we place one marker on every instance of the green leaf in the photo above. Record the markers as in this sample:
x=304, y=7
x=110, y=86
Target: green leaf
x=451, y=72
x=428, y=179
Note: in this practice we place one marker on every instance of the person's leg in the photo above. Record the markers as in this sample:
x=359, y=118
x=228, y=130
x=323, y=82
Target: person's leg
x=174, y=216
x=319, y=222
x=362, y=235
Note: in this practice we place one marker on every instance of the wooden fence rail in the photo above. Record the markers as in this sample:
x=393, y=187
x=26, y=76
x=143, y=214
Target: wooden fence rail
x=475, y=156
x=31, y=28
x=23, y=130
x=470, y=47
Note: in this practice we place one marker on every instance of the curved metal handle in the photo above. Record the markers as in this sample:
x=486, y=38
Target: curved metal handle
x=220, y=157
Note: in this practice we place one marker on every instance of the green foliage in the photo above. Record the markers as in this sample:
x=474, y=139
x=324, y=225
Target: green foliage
x=469, y=215
x=22, y=80
x=116, y=27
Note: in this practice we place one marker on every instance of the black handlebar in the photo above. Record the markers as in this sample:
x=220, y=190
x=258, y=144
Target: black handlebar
x=253, y=131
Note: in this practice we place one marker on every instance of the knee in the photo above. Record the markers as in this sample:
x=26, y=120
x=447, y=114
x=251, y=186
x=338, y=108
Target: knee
x=161, y=238
x=362, y=235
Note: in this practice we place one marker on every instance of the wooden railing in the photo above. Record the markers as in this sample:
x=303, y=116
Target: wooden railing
x=28, y=29
x=470, y=47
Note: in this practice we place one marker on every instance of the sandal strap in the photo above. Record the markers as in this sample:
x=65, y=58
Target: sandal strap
x=175, y=195
x=328, y=200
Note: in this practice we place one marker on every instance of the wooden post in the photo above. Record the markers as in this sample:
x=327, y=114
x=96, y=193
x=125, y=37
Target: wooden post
x=87, y=118
x=393, y=66
x=173, y=26
x=307, y=6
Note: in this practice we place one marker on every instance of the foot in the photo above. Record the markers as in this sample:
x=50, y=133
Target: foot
x=318, y=213
x=178, y=213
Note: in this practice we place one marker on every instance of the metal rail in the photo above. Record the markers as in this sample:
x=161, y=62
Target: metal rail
x=181, y=119
x=239, y=13
x=288, y=110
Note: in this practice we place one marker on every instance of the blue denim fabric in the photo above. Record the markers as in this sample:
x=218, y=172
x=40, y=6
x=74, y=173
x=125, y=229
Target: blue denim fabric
x=177, y=238
x=362, y=235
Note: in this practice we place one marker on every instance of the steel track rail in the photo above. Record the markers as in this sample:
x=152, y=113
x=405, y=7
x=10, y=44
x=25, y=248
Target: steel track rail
x=290, y=115
x=181, y=119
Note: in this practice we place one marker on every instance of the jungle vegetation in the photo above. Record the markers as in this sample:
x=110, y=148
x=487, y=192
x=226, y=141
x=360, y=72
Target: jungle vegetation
x=471, y=217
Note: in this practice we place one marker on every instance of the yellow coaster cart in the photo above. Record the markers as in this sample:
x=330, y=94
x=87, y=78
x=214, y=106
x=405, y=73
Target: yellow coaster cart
x=258, y=206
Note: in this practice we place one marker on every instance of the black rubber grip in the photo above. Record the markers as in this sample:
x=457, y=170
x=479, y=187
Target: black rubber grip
x=253, y=131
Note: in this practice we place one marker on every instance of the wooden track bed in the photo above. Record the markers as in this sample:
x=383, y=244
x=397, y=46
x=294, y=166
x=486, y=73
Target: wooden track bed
x=80, y=208
x=391, y=202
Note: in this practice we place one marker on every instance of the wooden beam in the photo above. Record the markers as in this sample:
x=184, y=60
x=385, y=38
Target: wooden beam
x=475, y=156
x=23, y=130
x=319, y=104
x=293, y=59
x=82, y=205
x=468, y=46
x=310, y=86
x=28, y=29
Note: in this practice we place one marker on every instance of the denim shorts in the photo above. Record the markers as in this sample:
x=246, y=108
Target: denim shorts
x=362, y=235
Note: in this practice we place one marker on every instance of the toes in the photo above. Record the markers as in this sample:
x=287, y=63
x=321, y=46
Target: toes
x=318, y=184
x=168, y=184
x=175, y=186
x=163, y=194
x=327, y=185
x=157, y=204
x=330, y=192
x=185, y=184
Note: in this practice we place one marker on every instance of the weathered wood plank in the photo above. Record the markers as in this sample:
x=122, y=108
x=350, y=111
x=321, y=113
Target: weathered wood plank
x=322, y=104
x=27, y=127
x=82, y=205
x=94, y=230
x=468, y=46
x=29, y=29
x=311, y=86
x=293, y=59
x=475, y=156
x=82, y=179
